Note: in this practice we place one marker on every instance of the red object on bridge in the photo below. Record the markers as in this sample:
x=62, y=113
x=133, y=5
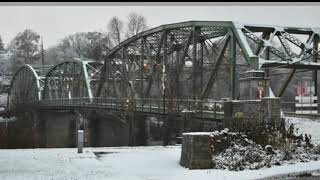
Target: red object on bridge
x=260, y=92
x=301, y=90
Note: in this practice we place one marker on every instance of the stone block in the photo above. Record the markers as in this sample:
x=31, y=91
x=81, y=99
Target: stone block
x=196, y=151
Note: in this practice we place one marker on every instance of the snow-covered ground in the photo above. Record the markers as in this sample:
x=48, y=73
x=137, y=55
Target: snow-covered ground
x=129, y=163
x=307, y=125
x=122, y=163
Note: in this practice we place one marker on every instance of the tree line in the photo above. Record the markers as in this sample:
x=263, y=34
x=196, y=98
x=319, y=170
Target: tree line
x=25, y=47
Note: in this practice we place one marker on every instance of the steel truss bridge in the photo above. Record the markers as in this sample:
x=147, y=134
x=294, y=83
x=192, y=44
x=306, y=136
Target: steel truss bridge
x=170, y=69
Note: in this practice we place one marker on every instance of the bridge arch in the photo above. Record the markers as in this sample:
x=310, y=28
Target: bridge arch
x=171, y=59
x=25, y=86
x=183, y=60
x=72, y=78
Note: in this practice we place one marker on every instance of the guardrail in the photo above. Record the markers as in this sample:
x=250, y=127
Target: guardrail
x=159, y=106
x=299, y=108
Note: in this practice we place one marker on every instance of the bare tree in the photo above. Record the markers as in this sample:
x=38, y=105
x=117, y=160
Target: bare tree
x=136, y=24
x=82, y=44
x=26, y=46
x=115, y=28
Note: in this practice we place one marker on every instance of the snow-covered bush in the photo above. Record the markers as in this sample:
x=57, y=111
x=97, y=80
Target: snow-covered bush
x=236, y=152
x=264, y=133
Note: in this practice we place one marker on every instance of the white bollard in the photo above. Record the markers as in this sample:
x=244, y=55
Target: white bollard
x=80, y=141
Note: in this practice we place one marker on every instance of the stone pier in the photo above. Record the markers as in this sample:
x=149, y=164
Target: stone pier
x=251, y=83
x=255, y=101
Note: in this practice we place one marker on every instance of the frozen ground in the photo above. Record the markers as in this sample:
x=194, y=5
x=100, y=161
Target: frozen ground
x=134, y=163
x=129, y=163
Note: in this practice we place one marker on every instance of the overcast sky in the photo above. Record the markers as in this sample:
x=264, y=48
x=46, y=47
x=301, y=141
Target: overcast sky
x=56, y=22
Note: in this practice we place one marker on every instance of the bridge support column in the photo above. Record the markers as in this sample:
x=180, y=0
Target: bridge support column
x=39, y=127
x=105, y=130
x=21, y=131
x=58, y=128
x=253, y=82
x=92, y=132
x=167, y=129
x=233, y=54
x=142, y=134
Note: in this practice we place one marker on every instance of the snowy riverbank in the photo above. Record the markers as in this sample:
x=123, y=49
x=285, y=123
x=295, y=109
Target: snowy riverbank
x=130, y=163
x=134, y=163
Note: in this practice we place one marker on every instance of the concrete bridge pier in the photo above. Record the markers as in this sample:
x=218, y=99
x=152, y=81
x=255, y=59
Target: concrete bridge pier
x=57, y=129
x=141, y=131
x=20, y=133
x=103, y=129
x=255, y=102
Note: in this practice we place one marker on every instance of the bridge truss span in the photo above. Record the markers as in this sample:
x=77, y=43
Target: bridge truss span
x=26, y=86
x=184, y=60
x=73, y=78
x=194, y=61
x=172, y=60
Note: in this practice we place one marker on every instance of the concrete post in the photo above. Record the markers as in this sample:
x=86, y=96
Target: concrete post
x=252, y=81
x=196, y=151
x=80, y=141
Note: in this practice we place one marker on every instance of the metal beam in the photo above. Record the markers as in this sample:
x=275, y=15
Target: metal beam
x=201, y=66
x=285, y=85
x=211, y=36
x=184, y=54
x=233, y=53
x=142, y=65
x=286, y=46
x=209, y=85
x=265, y=35
x=153, y=69
x=279, y=64
x=244, y=45
x=223, y=24
x=164, y=69
x=194, y=62
x=272, y=49
x=265, y=27
x=104, y=72
x=265, y=45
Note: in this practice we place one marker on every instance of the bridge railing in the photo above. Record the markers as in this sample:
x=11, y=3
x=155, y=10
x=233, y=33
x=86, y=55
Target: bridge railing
x=299, y=108
x=161, y=106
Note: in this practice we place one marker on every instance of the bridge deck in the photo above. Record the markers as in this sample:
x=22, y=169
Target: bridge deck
x=201, y=109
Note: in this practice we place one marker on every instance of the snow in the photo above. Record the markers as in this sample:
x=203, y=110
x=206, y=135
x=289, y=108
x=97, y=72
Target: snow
x=7, y=119
x=134, y=163
x=307, y=125
x=120, y=163
x=197, y=133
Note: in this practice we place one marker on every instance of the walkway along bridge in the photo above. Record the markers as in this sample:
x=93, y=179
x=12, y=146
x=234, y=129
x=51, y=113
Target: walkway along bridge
x=171, y=70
